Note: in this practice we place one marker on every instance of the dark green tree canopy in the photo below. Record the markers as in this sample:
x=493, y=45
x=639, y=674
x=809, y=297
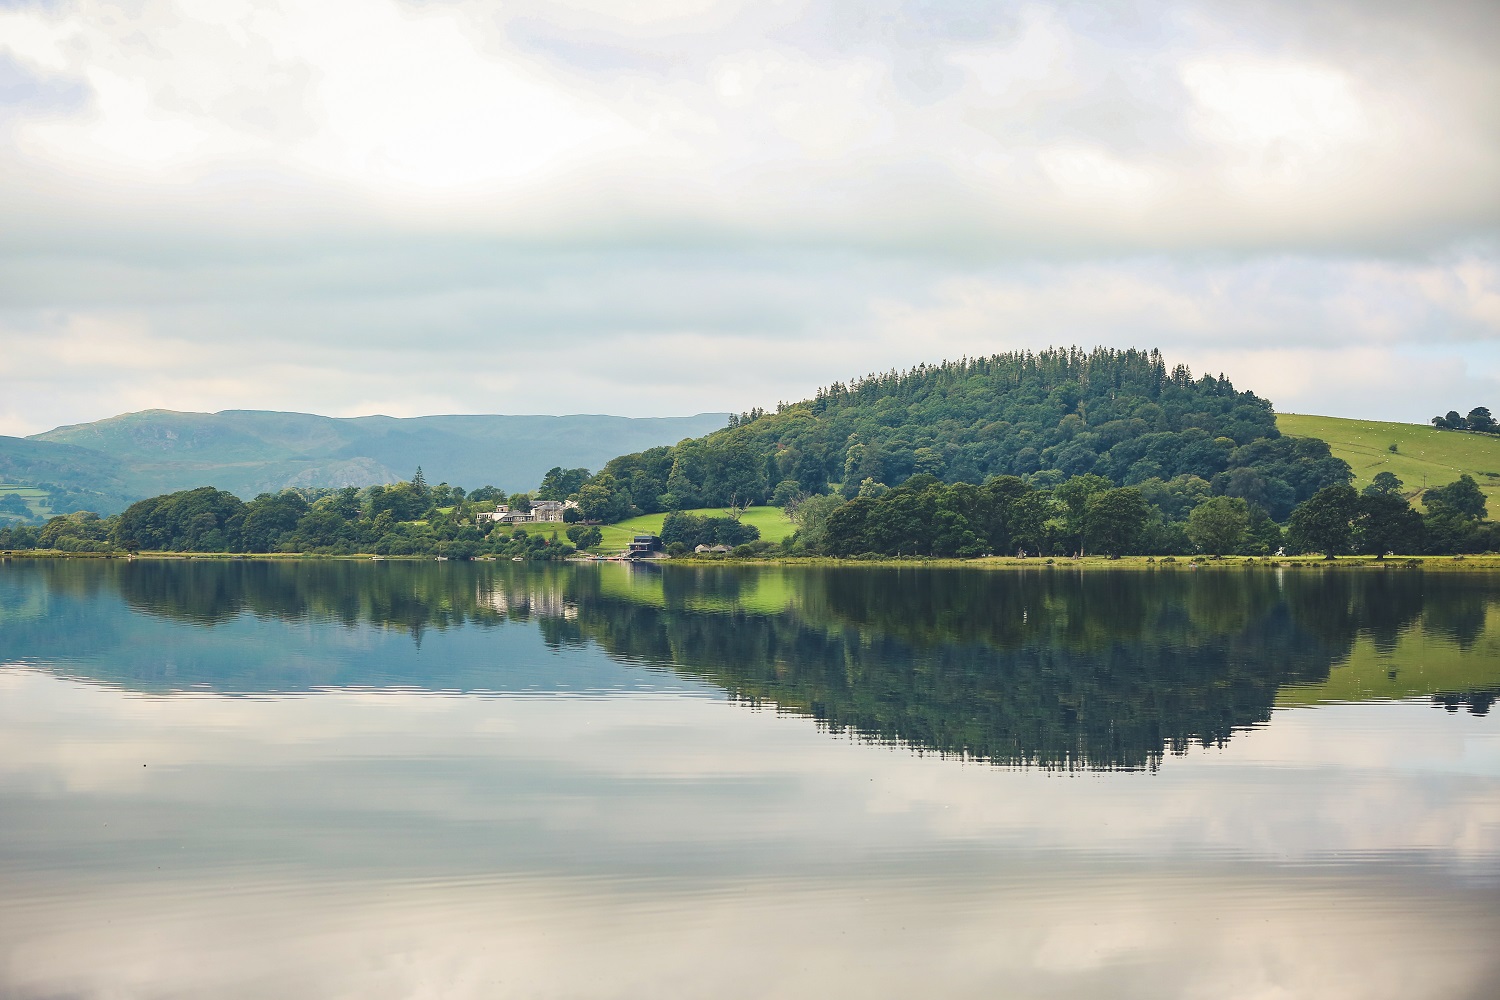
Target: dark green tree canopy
x=1479, y=420
x=1461, y=499
x=560, y=483
x=1218, y=525
x=201, y=520
x=1385, y=522
x=1121, y=415
x=691, y=530
x=1325, y=521
x=1114, y=520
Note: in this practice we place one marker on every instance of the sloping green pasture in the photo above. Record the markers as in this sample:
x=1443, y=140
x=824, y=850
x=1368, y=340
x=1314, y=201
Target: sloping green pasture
x=1423, y=456
x=36, y=499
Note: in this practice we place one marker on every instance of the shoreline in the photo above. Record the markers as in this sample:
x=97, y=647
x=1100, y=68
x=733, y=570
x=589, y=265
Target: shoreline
x=1485, y=562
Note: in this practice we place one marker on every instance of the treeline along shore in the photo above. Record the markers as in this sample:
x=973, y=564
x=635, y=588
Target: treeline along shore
x=1052, y=454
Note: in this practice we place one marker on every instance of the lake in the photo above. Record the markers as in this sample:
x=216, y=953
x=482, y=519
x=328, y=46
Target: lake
x=419, y=779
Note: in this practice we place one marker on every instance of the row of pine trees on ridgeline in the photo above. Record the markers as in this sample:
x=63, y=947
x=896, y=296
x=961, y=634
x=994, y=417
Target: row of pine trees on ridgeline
x=1056, y=452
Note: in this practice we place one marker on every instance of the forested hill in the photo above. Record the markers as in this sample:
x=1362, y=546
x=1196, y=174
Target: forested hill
x=1049, y=416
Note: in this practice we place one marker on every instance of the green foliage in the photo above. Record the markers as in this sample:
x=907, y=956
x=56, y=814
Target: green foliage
x=13, y=503
x=201, y=520
x=83, y=531
x=1219, y=525
x=1479, y=420
x=1385, y=522
x=1175, y=498
x=1050, y=417
x=811, y=518
x=585, y=536
x=788, y=492
x=1074, y=495
x=925, y=516
x=1455, y=521
x=272, y=517
x=1459, y=499
x=561, y=484
x=692, y=530
x=1325, y=521
x=1384, y=484
x=605, y=499
x=403, y=501
x=1265, y=535
x=19, y=536
x=336, y=522
x=1114, y=520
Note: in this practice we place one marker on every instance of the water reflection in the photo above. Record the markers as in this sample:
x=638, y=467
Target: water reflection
x=291, y=780
x=1053, y=668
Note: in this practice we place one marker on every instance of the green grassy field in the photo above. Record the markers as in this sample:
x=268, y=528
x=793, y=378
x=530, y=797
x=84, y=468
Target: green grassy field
x=773, y=525
x=35, y=499
x=1423, y=456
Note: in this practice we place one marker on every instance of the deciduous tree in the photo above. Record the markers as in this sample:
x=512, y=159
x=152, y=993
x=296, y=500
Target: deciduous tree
x=1324, y=522
x=1218, y=525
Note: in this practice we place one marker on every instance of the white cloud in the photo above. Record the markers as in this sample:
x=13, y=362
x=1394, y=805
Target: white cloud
x=275, y=176
x=670, y=838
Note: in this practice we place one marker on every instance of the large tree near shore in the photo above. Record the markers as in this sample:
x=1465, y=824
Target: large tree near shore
x=1324, y=522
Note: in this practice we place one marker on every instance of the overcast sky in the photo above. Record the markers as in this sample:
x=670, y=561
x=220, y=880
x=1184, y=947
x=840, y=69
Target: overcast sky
x=669, y=206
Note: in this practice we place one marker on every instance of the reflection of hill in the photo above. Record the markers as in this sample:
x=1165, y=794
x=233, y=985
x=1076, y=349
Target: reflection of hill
x=1103, y=670
x=1049, y=667
x=202, y=625
x=1430, y=658
x=1043, y=667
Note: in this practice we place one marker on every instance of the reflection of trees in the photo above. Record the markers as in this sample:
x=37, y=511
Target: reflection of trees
x=1049, y=667
x=1477, y=702
x=1059, y=669
x=412, y=596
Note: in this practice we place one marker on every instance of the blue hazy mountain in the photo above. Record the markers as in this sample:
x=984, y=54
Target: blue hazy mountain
x=252, y=451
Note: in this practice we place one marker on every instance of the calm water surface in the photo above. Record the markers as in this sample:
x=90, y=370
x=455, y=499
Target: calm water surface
x=256, y=779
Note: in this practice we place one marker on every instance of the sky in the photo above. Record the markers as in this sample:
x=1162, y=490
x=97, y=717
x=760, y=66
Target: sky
x=675, y=206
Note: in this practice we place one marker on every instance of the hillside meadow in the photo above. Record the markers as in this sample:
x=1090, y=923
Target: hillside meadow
x=1424, y=456
x=34, y=498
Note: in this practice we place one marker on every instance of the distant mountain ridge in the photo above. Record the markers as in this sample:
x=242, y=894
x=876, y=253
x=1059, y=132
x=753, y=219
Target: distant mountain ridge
x=252, y=451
